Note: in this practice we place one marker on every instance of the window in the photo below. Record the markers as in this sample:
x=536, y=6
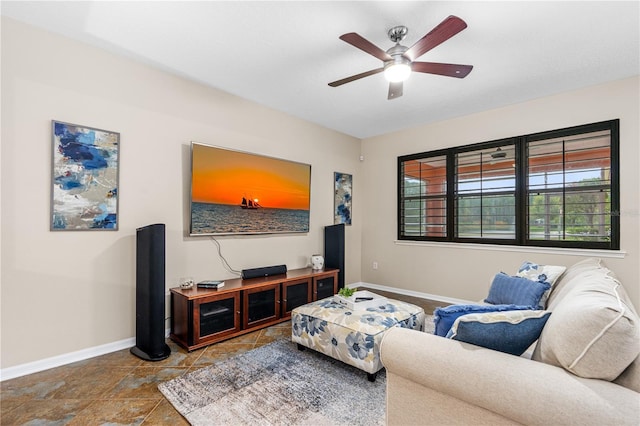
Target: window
x=556, y=189
x=424, y=194
x=484, y=194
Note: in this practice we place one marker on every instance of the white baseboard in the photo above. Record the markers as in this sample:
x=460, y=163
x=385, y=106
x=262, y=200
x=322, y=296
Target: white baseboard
x=57, y=361
x=64, y=359
x=411, y=293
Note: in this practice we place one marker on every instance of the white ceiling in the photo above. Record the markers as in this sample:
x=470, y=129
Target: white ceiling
x=283, y=54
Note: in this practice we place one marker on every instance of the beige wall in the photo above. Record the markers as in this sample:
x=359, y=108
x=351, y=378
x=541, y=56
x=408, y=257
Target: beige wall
x=465, y=273
x=66, y=291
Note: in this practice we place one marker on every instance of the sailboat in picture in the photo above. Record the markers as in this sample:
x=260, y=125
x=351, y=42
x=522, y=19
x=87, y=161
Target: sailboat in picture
x=249, y=204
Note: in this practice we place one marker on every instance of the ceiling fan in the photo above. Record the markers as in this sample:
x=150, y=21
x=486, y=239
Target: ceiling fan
x=399, y=61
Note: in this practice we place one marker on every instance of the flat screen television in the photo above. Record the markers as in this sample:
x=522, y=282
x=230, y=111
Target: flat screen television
x=235, y=192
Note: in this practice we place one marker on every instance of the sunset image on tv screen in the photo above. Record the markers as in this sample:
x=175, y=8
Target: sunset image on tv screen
x=238, y=192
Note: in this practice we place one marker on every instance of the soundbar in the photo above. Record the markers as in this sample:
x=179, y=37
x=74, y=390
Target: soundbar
x=264, y=271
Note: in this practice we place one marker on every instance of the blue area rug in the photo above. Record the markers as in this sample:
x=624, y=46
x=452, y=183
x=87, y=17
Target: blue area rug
x=277, y=384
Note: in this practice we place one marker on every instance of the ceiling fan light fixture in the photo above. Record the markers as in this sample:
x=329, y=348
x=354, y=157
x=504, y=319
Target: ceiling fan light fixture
x=396, y=72
x=499, y=153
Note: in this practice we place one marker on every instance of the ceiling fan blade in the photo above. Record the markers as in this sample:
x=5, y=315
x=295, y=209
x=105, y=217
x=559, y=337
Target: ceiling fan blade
x=355, y=77
x=443, y=32
x=365, y=45
x=395, y=90
x=449, y=70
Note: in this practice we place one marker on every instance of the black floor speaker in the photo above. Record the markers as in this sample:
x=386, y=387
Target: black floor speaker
x=150, y=289
x=334, y=250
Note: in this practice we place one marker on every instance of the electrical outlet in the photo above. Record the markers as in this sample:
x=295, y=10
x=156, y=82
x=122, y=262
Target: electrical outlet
x=375, y=265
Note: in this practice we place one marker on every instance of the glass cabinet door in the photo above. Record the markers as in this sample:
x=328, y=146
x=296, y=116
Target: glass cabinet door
x=294, y=294
x=261, y=305
x=324, y=287
x=216, y=316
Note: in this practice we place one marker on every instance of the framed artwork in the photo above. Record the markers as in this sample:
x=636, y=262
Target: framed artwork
x=343, y=184
x=84, y=183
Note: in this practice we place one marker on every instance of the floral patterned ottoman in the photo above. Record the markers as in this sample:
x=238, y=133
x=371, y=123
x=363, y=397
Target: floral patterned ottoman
x=351, y=336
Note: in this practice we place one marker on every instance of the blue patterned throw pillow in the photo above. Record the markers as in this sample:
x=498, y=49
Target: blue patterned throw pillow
x=542, y=273
x=444, y=318
x=515, y=290
x=511, y=332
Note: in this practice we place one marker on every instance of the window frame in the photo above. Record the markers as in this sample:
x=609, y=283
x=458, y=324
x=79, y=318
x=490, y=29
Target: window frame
x=520, y=144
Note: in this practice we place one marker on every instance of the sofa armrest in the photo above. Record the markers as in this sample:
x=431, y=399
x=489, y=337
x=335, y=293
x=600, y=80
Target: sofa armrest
x=508, y=386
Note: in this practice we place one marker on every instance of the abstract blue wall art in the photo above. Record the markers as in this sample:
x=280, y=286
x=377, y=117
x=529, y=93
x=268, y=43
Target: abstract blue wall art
x=84, y=194
x=342, y=198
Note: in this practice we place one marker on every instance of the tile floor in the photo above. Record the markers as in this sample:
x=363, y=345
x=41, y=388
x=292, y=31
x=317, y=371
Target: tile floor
x=119, y=388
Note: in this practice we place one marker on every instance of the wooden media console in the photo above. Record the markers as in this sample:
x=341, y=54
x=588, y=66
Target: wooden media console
x=200, y=317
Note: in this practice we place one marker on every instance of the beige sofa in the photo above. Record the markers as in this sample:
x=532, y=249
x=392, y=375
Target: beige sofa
x=585, y=368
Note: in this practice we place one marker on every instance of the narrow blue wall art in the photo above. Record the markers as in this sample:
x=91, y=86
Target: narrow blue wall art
x=84, y=194
x=342, y=201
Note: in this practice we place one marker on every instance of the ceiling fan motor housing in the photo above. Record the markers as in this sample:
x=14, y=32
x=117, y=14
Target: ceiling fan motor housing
x=396, y=35
x=397, y=51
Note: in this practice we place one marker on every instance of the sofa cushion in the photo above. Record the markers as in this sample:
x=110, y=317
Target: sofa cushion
x=594, y=330
x=542, y=273
x=444, y=318
x=507, y=331
x=567, y=282
x=515, y=291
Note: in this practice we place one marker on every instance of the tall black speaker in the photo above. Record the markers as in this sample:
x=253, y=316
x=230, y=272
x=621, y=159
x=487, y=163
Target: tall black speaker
x=334, y=250
x=150, y=299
